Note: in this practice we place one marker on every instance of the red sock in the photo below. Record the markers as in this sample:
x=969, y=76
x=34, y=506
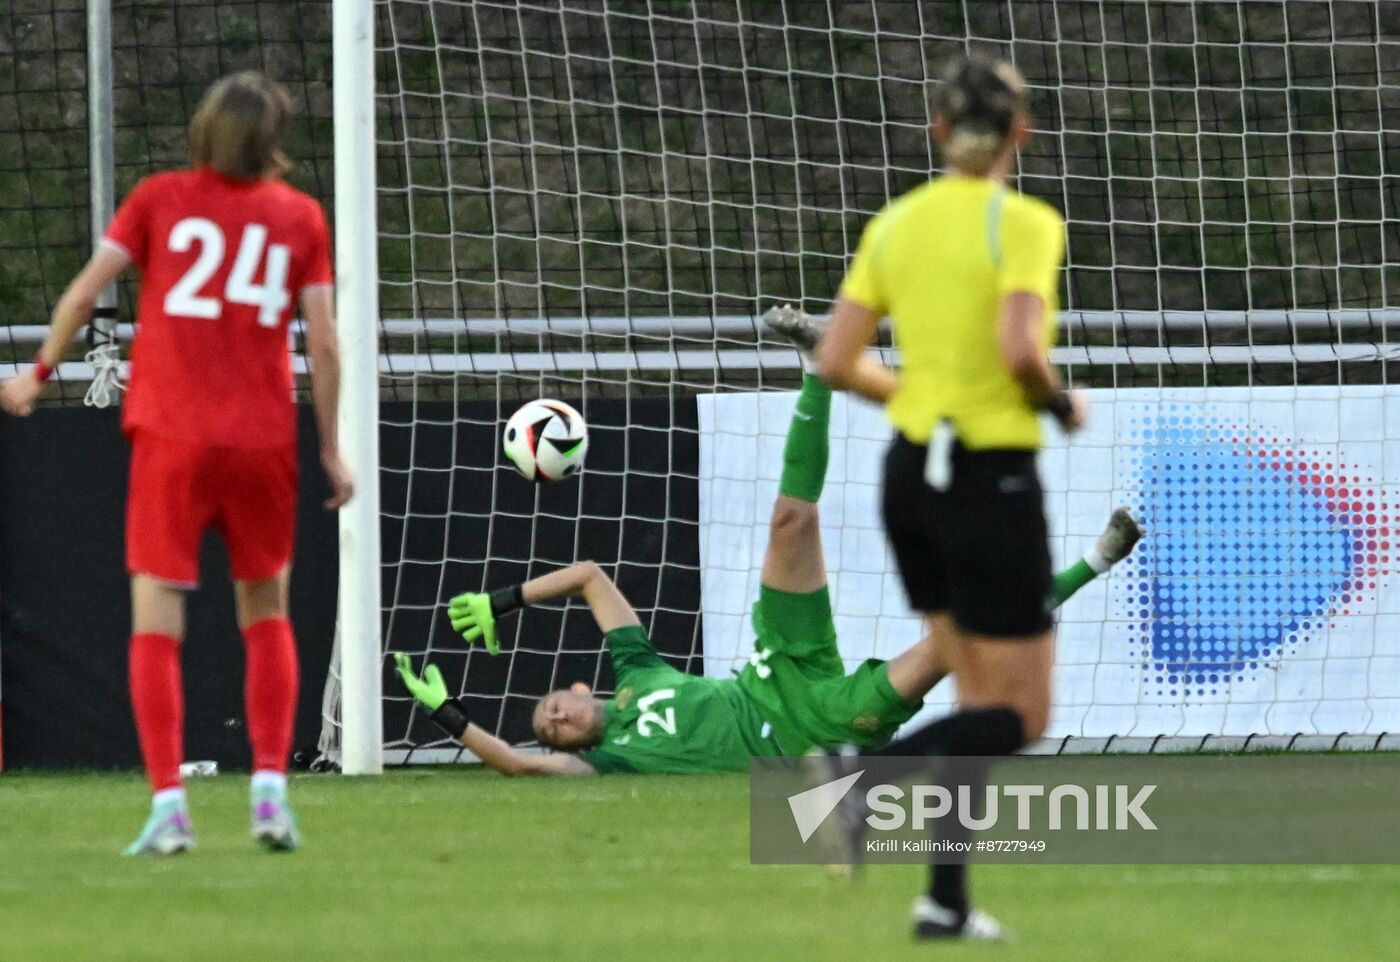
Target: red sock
x=270, y=692
x=158, y=702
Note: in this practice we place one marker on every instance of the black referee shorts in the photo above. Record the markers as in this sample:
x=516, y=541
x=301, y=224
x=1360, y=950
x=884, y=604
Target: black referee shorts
x=978, y=550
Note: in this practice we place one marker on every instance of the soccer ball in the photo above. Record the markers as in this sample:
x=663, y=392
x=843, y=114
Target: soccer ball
x=546, y=440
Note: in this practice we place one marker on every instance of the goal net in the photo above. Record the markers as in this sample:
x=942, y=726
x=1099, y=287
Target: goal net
x=594, y=201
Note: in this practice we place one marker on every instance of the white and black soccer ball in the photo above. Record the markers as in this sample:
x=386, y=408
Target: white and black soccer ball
x=546, y=440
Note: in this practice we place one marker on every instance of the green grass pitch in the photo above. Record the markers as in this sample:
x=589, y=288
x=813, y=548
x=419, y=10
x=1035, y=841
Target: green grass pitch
x=452, y=864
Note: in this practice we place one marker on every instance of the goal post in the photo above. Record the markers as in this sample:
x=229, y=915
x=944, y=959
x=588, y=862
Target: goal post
x=358, y=647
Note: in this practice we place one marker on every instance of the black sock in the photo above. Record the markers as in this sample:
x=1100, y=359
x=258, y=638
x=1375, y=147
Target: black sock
x=948, y=886
x=947, y=883
x=979, y=732
x=982, y=731
x=948, y=878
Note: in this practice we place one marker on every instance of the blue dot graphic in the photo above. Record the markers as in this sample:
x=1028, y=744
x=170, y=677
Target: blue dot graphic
x=1243, y=561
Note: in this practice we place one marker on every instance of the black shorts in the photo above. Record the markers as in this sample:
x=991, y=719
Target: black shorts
x=978, y=550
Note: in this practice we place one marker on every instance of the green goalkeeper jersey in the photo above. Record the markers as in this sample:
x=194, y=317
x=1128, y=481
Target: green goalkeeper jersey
x=664, y=720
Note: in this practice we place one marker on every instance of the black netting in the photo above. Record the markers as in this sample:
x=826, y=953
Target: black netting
x=164, y=56
x=621, y=159
x=593, y=200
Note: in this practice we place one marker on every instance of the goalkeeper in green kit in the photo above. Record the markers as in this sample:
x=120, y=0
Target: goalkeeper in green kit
x=794, y=693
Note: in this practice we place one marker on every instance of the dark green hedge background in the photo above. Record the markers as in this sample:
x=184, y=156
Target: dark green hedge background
x=670, y=158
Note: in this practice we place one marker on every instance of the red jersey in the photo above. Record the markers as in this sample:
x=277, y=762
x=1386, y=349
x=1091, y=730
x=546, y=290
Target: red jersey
x=223, y=262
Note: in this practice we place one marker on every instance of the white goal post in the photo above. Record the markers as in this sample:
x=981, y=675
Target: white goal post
x=595, y=201
x=358, y=645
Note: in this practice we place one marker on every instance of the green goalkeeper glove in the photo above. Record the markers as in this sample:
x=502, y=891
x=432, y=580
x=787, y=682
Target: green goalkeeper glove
x=473, y=619
x=474, y=615
x=430, y=691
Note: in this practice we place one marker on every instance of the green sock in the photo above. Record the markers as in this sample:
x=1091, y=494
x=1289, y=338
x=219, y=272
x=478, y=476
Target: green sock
x=1070, y=580
x=807, y=450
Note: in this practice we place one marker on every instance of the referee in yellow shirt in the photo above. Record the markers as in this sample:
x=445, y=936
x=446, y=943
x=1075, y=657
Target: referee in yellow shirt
x=967, y=271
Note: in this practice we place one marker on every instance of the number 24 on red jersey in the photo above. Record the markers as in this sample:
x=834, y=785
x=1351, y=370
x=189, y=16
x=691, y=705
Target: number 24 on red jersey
x=223, y=262
x=254, y=244
x=270, y=297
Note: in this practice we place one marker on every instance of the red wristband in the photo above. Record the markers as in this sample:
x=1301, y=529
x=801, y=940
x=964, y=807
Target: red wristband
x=41, y=370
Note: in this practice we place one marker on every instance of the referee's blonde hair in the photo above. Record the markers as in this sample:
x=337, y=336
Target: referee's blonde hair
x=237, y=129
x=979, y=99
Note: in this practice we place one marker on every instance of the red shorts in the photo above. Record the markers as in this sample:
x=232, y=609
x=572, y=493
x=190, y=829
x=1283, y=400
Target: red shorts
x=178, y=491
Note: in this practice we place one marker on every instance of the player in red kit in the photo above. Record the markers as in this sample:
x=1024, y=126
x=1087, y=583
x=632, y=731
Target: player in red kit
x=227, y=252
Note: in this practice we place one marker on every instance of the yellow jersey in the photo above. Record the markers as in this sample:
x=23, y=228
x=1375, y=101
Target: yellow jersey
x=938, y=261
